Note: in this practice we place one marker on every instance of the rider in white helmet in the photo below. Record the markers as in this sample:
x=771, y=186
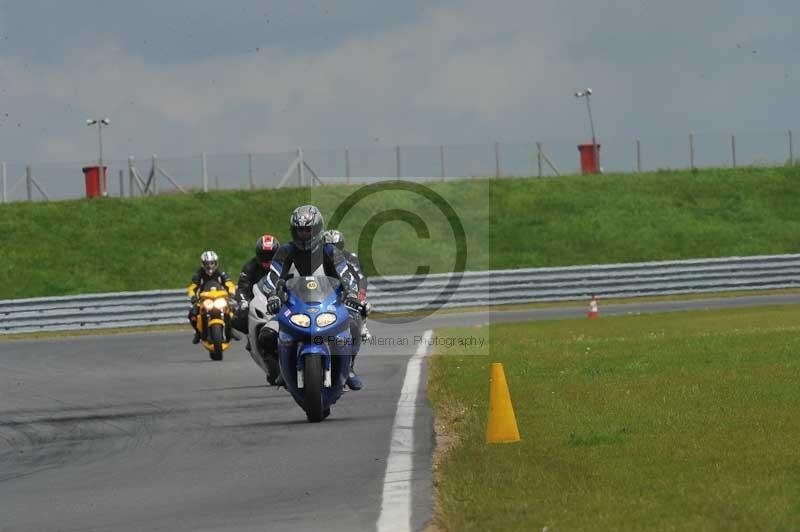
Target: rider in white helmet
x=208, y=271
x=335, y=237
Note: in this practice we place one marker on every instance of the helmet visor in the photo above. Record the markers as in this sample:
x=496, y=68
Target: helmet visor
x=305, y=232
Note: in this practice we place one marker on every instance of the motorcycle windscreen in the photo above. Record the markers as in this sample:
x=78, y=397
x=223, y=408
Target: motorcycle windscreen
x=312, y=289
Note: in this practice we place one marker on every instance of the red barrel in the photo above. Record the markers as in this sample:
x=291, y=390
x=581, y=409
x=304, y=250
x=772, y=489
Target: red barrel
x=91, y=175
x=588, y=163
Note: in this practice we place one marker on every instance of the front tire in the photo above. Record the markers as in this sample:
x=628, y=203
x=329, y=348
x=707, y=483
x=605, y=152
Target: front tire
x=312, y=388
x=216, y=340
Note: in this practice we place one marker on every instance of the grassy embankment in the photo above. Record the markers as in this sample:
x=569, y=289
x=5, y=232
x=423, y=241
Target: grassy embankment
x=143, y=243
x=683, y=421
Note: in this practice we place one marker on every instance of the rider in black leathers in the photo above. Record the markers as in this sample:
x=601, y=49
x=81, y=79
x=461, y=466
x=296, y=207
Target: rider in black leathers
x=307, y=255
x=335, y=237
x=252, y=272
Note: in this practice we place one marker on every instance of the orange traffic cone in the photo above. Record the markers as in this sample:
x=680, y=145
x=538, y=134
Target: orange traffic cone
x=502, y=427
x=593, y=312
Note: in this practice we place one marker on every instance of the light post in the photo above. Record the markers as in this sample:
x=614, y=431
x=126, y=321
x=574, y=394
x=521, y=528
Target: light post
x=100, y=123
x=587, y=95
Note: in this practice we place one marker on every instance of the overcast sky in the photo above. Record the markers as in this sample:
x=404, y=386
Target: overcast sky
x=178, y=78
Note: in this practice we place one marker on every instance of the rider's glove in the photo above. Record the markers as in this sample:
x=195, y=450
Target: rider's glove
x=273, y=304
x=352, y=302
x=194, y=300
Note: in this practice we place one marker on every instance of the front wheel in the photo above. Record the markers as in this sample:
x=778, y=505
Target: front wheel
x=216, y=339
x=312, y=388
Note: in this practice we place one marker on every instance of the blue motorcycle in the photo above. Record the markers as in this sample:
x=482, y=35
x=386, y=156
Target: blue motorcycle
x=314, y=343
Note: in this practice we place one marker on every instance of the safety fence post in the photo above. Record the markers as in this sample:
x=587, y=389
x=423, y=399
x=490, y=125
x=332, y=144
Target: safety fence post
x=347, y=164
x=638, y=155
x=251, y=171
x=155, y=175
x=539, y=158
x=497, y=159
x=300, y=170
x=29, y=182
x=131, y=177
x=441, y=162
x=204, y=171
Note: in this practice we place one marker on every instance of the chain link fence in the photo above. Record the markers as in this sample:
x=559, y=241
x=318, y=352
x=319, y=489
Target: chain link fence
x=361, y=165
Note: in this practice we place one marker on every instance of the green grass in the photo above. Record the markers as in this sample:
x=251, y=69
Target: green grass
x=143, y=243
x=679, y=421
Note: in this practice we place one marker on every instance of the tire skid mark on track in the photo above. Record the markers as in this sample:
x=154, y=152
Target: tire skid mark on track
x=48, y=444
x=46, y=438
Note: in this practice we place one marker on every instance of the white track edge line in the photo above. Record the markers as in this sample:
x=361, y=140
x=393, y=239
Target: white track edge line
x=397, y=482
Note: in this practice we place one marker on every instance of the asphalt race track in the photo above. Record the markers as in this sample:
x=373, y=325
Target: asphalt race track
x=136, y=432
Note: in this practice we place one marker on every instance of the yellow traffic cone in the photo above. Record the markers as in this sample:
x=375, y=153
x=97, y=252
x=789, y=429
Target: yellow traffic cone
x=502, y=426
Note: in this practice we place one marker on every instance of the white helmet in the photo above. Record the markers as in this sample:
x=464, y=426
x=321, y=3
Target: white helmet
x=210, y=261
x=332, y=236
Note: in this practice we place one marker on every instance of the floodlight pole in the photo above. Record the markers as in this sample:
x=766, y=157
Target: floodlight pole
x=591, y=125
x=100, y=142
x=100, y=123
x=587, y=94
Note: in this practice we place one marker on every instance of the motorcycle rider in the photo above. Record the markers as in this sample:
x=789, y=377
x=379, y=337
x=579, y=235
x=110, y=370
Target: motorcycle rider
x=308, y=255
x=252, y=271
x=208, y=271
x=335, y=237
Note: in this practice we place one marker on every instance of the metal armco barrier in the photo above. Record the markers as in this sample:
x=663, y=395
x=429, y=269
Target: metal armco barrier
x=402, y=294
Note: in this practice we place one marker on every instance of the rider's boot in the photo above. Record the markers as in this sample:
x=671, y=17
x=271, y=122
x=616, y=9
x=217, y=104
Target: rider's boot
x=196, y=339
x=268, y=345
x=353, y=380
x=365, y=334
x=356, y=327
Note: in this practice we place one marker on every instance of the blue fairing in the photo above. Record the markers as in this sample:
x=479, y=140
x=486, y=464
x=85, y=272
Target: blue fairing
x=333, y=342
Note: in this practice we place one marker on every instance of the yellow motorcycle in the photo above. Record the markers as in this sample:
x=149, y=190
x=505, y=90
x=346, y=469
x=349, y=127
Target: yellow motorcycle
x=214, y=320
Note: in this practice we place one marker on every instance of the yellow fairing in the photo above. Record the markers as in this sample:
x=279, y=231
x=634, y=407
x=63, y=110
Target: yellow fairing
x=213, y=294
x=210, y=346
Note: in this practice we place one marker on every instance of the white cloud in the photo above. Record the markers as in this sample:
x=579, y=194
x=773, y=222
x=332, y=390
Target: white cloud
x=462, y=73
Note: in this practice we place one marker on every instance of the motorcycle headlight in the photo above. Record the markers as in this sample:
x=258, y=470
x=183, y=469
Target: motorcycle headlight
x=301, y=320
x=208, y=304
x=325, y=319
x=220, y=303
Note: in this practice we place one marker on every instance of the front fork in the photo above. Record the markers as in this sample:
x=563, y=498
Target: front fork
x=216, y=317
x=326, y=367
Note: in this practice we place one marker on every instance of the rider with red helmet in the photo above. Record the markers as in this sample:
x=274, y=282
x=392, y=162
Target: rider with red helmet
x=252, y=271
